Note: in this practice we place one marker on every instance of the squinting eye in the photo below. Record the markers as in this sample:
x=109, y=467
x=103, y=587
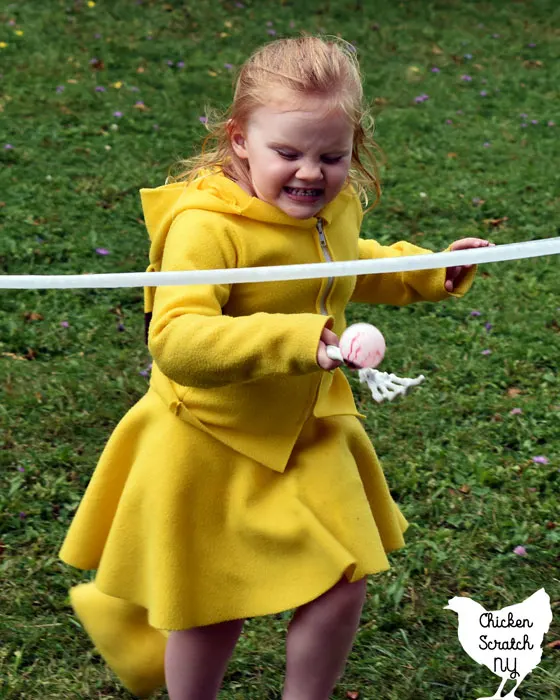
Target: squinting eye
x=332, y=161
x=287, y=156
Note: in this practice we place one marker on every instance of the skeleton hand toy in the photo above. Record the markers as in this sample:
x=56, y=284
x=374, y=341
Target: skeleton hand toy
x=362, y=346
x=386, y=386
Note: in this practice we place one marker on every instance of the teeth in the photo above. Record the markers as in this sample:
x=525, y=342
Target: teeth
x=293, y=190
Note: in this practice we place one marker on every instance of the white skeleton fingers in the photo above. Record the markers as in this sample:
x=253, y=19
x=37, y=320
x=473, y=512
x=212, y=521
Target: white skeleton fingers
x=386, y=386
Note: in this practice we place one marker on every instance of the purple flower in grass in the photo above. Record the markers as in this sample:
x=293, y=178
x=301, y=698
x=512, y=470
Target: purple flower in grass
x=59, y=89
x=520, y=551
x=8, y=147
x=100, y=88
x=117, y=114
x=64, y=324
x=475, y=313
x=466, y=78
x=541, y=460
x=20, y=469
x=486, y=352
x=483, y=93
x=435, y=69
x=102, y=251
x=515, y=412
x=146, y=372
x=180, y=64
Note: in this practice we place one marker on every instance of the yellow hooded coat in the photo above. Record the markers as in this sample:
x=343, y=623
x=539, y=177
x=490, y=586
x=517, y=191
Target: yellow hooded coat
x=243, y=482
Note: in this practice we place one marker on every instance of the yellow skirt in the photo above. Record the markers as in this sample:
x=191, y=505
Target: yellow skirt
x=195, y=541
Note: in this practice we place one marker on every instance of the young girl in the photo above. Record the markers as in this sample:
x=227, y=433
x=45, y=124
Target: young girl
x=243, y=483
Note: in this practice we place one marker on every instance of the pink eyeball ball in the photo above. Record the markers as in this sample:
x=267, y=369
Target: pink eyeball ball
x=362, y=345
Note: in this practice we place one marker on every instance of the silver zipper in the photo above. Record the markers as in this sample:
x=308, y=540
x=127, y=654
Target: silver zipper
x=330, y=281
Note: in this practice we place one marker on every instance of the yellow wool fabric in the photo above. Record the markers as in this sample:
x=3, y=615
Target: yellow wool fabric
x=243, y=482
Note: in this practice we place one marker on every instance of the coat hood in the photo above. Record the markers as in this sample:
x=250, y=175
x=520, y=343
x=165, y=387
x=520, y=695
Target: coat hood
x=215, y=192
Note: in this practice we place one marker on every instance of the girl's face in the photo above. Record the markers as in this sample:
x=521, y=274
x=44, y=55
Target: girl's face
x=298, y=159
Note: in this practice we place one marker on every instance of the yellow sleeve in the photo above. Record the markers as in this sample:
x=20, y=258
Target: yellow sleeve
x=194, y=344
x=400, y=288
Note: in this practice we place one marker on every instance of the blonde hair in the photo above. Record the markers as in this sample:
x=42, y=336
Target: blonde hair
x=306, y=66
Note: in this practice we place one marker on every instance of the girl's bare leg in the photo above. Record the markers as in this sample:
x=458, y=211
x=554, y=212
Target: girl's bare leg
x=196, y=660
x=319, y=640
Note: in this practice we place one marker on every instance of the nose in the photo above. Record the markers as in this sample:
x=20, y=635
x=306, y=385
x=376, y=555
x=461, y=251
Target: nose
x=309, y=171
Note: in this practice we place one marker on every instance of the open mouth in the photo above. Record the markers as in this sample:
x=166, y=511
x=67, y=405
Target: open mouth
x=301, y=193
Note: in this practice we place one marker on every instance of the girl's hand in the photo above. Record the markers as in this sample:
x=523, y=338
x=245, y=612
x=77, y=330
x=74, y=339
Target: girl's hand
x=455, y=275
x=323, y=360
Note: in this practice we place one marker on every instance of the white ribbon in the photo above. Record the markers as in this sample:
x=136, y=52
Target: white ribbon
x=277, y=273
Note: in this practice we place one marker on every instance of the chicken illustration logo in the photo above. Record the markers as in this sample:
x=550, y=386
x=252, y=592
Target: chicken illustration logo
x=507, y=641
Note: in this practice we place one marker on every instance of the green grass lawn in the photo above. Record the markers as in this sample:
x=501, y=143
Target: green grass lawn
x=98, y=100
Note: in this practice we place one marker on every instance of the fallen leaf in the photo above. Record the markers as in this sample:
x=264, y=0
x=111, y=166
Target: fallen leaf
x=533, y=64
x=496, y=418
x=452, y=155
x=496, y=222
x=14, y=357
x=32, y=316
x=513, y=391
x=381, y=101
x=142, y=107
x=550, y=525
x=97, y=64
x=353, y=694
x=554, y=645
x=465, y=488
x=436, y=50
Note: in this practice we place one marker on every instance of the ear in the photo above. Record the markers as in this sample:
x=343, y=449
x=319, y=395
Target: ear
x=237, y=139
